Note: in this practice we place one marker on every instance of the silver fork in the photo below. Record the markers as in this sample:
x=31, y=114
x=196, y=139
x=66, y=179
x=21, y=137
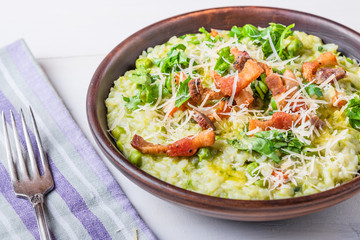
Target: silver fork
x=31, y=187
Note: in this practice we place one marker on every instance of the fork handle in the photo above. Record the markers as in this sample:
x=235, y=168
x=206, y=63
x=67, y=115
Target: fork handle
x=38, y=200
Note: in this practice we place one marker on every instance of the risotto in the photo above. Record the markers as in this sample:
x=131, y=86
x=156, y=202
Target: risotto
x=251, y=113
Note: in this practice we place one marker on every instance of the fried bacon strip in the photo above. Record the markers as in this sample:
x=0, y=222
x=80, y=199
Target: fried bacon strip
x=279, y=120
x=198, y=93
x=282, y=120
x=324, y=73
x=310, y=69
x=250, y=72
x=275, y=84
x=335, y=102
x=203, y=120
x=240, y=58
x=214, y=33
x=268, y=70
x=187, y=146
x=279, y=85
x=244, y=97
x=290, y=81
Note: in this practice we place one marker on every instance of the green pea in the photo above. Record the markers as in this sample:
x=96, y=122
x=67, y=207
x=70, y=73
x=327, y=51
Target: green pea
x=320, y=48
x=117, y=131
x=297, y=189
x=204, y=153
x=261, y=183
x=143, y=63
x=136, y=158
x=295, y=47
x=119, y=145
x=251, y=167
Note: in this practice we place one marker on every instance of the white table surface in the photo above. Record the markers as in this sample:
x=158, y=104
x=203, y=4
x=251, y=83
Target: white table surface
x=70, y=38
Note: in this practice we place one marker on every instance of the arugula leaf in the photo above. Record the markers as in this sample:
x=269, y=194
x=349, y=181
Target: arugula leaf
x=236, y=31
x=133, y=102
x=277, y=32
x=176, y=56
x=256, y=144
x=183, y=93
x=353, y=112
x=222, y=64
x=179, y=46
x=203, y=30
x=280, y=44
x=152, y=93
x=209, y=38
x=282, y=140
x=313, y=89
x=251, y=31
x=140, y=76
x=268, y=143
x=168, y=84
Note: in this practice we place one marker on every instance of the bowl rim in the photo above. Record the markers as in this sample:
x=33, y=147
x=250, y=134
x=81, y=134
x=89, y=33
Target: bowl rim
x=177, y=194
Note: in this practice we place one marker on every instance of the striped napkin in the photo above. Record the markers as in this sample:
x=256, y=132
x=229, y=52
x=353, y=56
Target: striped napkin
x=87, y=203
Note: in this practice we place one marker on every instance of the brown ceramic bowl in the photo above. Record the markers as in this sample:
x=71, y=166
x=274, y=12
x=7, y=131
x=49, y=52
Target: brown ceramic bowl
x=122, y=58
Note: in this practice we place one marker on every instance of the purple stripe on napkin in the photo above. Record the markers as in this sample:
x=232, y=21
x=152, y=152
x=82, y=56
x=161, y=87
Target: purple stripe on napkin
x=67, y=192
x=21, y=206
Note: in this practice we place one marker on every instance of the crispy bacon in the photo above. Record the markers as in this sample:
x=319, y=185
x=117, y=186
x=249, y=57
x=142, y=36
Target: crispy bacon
x=268, y=70
x=290, y=81
x=195, y=90
x=335, y=102
x=275, y=84
x=279, y=120
x=214, y=33
x=198, y=93
x=146, y=147
x=244, y=97
x=240, y=58
x=187, y=146
x=309, y=68
x=279, y=85
x=324, y=73
x=203, y=120
x=250, y=72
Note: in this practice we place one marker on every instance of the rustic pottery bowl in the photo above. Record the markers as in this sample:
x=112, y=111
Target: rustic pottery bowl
x=122, y=58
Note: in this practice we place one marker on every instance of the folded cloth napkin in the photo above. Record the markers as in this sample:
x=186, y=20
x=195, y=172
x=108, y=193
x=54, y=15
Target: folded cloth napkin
x=87, y=202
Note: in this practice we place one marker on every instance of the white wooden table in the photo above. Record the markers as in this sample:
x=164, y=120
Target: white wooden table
x=70, y=38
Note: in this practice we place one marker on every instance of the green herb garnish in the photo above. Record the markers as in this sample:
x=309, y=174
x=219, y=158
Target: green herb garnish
x=183, y=93
x=269, y=143
x=353, y=112
x=313, y=89
x=225, y=59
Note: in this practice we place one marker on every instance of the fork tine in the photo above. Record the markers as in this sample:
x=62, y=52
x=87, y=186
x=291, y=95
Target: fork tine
x=8, y=150
x=21, y=160
x=30, y=150
x=43, y=158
